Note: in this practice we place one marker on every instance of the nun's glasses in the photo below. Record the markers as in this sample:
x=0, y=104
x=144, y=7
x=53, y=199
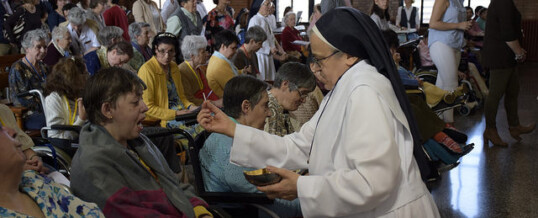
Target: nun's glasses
x=318, y=62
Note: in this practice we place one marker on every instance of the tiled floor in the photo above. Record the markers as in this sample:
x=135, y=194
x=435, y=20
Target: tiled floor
x=496, y=181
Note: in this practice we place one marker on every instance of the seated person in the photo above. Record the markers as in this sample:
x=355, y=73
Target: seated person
x=116, y=55
x=29, y=194
x=293, y=82
x=29, y=73
x=64, y=91
x=424, y=50
x=118, y=168
x=33, y=162
x=220, y=68
x=429, y=124
x=290, y=34
x=140, y=38
x=193, y=77
x=434, y=95
x=60, y=46
x=246, y=55
x=245, y=102
x=84, y=38
x=164, y=94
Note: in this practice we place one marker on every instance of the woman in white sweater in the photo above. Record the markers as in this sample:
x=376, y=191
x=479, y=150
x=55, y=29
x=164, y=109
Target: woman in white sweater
x=63, y=90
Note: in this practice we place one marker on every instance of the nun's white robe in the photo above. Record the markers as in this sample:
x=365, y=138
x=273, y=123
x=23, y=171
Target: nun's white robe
x=362, y=161
x=266, y=64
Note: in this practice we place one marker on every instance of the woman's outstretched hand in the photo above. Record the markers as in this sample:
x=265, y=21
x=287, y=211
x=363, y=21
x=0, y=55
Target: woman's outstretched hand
x=214, y=120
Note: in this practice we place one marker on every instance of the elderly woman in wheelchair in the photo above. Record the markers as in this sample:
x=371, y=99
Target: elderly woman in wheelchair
x=245, y=101
x=117, y=167
x=29, y=194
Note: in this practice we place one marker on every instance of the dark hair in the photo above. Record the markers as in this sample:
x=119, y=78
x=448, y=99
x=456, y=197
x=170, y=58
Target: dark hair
x=182, y=1
x=476, y=10
x=469, y=8
x=165, y=38
x=115, y=2
x=107, y=85
x=68, y=78
x=68, y=6
x=391, y=38
x=287, y=9
x=216, y=2
x=226, y=38
x=122, y=47
x=242, y=88
x=382, y=14
x=297, y=74
x=95, y=3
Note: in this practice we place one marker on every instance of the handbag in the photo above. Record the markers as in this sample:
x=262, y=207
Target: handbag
x=17, y=29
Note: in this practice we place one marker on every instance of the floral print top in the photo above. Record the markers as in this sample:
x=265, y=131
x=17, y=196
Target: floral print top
x=52, y=198
x=217, y=22
x=23, y=78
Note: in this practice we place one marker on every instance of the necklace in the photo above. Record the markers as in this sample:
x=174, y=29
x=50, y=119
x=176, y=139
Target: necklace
x=200, y=84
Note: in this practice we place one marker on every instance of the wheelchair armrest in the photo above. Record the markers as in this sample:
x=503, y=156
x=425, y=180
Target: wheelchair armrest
x=236, y=198
x=66, y=128
x=186, y=117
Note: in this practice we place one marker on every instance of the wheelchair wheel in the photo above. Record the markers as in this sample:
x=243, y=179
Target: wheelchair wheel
x=464, y=110
x=62, y=162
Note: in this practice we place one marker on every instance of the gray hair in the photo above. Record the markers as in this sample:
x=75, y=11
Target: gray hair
x=76, y=16
x=297, y=74
x=255, y=33
x=108, y=33
x=135, y=29
x=191, y=44
x=288, y=15
x=59, y=33
x=33, y=36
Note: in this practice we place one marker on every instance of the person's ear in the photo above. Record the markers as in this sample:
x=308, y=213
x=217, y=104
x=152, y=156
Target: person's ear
x=106, y=110
x=350, y=60
x=285, y=85
x=246, y=106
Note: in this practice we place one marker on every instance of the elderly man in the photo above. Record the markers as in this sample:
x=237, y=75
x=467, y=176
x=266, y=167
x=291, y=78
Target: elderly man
x=140, y=37
x=59, y=48
x=270, y=47
x=358, y=147
x=84, y=38
x=293, y=82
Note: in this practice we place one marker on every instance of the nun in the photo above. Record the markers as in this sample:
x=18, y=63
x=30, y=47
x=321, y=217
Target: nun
x=359, y=145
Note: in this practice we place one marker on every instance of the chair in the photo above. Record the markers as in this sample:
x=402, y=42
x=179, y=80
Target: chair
x=234, y=203
x=5, y=63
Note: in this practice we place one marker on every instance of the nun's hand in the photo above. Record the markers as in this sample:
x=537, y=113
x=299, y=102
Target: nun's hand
x=214, y=120
x=286, y=188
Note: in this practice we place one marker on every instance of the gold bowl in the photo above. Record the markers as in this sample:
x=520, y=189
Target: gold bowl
x=261, y=177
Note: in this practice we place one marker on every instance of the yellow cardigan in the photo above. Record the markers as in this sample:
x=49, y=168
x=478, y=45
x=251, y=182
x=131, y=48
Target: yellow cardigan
x=218, y=73
x=156, y=94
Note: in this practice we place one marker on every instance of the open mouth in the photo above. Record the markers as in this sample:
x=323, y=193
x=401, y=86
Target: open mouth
x=139, y=125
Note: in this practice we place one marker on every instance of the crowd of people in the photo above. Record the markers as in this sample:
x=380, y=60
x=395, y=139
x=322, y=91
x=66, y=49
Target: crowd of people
x=260, y=96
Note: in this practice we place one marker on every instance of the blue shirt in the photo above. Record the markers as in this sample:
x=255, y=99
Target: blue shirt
x=455, y=13
x=222, y=176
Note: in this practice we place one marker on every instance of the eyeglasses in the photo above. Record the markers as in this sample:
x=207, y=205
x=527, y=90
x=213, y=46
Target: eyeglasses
x=302, y=94
x=318, y=62
x=163, y=52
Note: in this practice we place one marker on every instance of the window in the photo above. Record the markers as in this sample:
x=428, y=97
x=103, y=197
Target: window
x=427, y=7
x=297, y=5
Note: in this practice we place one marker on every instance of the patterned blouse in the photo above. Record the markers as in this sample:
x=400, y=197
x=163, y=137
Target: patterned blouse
x=279, y=122
x=52, y=199
x=216, y=23
x=23, y=78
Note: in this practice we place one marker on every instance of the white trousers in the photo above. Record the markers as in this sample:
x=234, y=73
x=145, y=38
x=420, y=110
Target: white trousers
x=266, y=66
x=447, y=60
